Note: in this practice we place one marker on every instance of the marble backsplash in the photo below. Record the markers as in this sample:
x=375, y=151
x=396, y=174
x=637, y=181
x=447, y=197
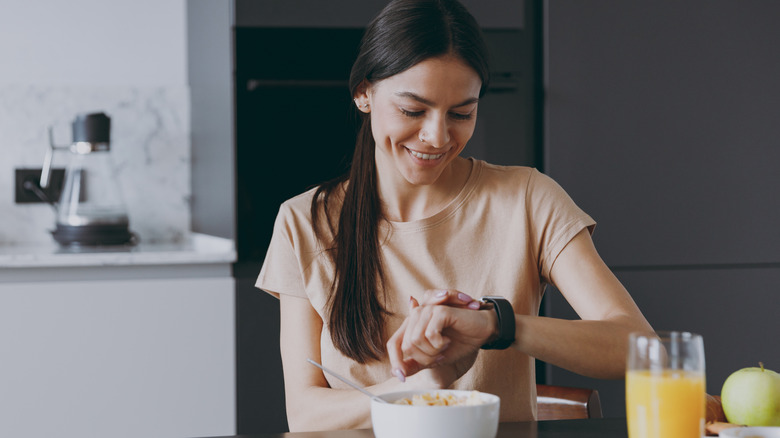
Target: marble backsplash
x=150, y=148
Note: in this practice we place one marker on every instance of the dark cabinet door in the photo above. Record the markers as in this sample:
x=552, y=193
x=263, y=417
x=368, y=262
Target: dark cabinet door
x=662, y=124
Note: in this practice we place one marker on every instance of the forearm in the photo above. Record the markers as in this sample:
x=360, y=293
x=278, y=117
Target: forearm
x=321, y=408
x=597, y=343
x=592, y=348
x=327, y=409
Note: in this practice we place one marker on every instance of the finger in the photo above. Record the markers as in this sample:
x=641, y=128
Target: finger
x=449, y=297
x=415, y=323
x=470, y=302
x=410, y=368
x=435, y=326
x=393, y=345
x=400, y=368
x=400, y=350
x=416, y=343
x=414, y=360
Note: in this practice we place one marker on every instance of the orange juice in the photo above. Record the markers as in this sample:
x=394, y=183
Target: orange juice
x=665, y=404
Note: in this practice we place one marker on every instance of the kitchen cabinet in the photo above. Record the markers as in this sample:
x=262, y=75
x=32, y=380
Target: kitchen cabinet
x=660, y=125
x=96, y=344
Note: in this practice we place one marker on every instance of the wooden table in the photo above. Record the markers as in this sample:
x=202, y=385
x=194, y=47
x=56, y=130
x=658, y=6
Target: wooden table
x=601, y=428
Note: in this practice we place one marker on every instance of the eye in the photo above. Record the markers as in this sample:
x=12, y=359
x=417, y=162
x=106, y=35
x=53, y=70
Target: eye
x=413, y=114
x=459, y=116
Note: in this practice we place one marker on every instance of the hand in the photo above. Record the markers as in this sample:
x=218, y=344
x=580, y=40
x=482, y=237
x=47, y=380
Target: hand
x=443, y=331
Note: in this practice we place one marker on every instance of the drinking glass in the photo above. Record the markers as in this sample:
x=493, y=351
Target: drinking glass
x=665, y=385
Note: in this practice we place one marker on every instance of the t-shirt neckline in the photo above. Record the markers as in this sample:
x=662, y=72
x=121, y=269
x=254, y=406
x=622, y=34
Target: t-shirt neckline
x=453, y=206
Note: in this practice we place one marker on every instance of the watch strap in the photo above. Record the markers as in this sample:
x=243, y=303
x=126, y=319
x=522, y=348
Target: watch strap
x=506, y=323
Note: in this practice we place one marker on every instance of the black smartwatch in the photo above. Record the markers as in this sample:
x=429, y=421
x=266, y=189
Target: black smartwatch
x=506, y=323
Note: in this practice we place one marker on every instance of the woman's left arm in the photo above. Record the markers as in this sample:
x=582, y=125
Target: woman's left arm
x=596, y=345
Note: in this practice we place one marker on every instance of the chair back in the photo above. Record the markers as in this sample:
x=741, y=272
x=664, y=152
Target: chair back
x=566, y=403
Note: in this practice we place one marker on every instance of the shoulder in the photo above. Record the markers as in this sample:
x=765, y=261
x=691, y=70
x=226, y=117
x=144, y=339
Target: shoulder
x=523, y=187
x=495, y=177
x=296, y=212
x=298, y=206
x=503, y=171
x=300, y=202
x=516, y=177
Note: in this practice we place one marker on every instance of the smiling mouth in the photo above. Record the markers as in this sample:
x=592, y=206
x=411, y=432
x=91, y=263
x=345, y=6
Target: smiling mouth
x=425, y=156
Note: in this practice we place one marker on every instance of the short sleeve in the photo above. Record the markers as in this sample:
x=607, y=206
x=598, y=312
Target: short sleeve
x=555, y=219
x=281, y=271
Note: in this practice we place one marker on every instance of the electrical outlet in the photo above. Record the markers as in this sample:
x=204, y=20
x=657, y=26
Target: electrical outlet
x=26, y=196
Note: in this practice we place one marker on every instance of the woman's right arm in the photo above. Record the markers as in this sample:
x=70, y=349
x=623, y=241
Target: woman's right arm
x=311, y=403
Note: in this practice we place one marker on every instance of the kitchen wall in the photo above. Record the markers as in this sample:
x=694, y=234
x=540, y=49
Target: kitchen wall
x=127, y=59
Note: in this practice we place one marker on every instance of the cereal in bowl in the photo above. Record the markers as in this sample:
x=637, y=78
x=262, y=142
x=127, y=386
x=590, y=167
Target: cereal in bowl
x=437, y=399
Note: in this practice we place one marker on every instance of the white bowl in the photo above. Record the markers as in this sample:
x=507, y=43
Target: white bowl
x=395, y=420
x=751, y=432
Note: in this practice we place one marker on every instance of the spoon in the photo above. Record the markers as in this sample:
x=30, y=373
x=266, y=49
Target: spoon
x=345, y=380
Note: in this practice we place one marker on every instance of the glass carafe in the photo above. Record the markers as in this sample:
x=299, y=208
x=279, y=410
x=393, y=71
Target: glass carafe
x=91, y=210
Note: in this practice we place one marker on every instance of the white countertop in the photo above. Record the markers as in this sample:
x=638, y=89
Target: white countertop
x=197, y=249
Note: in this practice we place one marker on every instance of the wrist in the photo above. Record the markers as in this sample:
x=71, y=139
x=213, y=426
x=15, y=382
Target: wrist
x=505, y=317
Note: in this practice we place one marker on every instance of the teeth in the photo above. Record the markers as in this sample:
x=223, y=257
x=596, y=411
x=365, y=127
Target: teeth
x=425, y=156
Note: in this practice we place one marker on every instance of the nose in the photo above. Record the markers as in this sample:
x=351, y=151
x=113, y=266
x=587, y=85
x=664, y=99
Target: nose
x=435, y=131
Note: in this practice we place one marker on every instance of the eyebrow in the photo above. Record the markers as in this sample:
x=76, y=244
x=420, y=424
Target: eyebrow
x=425, y=101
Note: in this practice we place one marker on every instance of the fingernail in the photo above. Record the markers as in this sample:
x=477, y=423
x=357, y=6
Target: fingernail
x=400, y=374
x=440, y=359
x=474, y=305
x=463, y=297
x=441, y=293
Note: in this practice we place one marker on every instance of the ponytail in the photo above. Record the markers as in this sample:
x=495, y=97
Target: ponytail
x=355, y=315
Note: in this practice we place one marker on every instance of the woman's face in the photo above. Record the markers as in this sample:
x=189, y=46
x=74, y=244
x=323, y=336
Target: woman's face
x=422, y=118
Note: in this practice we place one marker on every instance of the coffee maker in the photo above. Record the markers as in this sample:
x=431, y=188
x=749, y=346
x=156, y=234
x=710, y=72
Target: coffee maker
x=91, y=210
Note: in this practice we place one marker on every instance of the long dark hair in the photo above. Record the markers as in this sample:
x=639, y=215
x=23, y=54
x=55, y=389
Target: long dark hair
x=404, y=33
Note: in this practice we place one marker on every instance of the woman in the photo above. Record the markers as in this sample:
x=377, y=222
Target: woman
x=348, y=257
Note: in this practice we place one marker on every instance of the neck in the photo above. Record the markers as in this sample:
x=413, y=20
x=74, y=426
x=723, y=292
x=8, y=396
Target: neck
x=406, y=202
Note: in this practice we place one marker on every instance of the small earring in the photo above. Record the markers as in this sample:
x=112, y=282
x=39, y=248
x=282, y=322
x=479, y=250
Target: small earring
x=364, y=106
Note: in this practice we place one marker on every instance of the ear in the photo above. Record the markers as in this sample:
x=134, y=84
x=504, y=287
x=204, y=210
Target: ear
x=361, y=97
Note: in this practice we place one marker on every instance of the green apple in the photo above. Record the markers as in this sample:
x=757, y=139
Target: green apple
x=751, y=396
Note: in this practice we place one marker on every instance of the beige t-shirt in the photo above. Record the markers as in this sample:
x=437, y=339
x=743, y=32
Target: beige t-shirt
x=499, y=236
